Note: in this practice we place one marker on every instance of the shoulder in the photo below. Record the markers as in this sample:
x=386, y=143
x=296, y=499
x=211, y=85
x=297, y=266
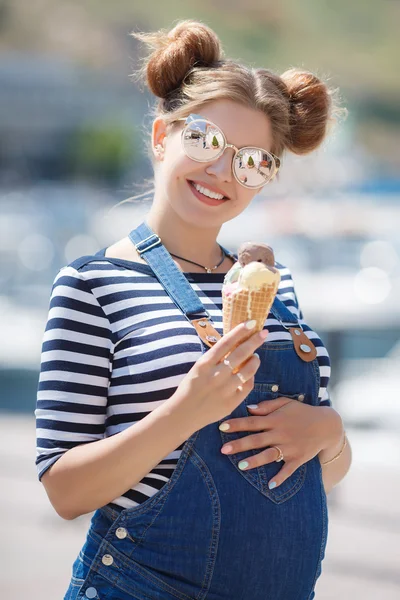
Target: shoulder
x=84, y=275
x=286, y=283
x=80, y=269
x=89, y=267
x=75, y=279
x=76, y=298
x=284, y=271
x=286, y=290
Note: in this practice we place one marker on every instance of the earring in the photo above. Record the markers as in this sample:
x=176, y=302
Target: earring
x=158, y=150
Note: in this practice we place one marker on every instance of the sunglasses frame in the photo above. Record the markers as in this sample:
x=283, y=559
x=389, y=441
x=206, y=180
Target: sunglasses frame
x=193, y=117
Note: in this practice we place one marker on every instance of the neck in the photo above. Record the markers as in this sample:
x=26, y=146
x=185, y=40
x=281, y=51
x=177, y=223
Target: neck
x=194, y=243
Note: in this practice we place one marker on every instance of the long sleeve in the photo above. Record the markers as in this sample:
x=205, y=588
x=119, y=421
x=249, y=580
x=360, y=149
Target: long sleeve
x=75, y=370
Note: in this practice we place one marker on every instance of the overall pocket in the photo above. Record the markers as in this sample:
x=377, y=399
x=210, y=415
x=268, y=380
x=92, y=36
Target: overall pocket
x=260, y=476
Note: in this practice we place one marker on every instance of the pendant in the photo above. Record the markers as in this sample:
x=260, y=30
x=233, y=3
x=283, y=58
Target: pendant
x=209, y=270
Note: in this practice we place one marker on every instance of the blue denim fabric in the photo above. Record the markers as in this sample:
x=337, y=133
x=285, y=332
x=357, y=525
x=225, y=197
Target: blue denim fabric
x=214, y=532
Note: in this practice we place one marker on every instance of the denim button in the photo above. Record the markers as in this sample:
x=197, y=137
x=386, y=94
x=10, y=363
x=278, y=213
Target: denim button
x=91, y=592
x=107, y=560
x=275, y=388
x=121, y=533
x=301, y=397
x=305, y=348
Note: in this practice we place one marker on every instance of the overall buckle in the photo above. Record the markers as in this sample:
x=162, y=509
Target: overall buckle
x=153, y=245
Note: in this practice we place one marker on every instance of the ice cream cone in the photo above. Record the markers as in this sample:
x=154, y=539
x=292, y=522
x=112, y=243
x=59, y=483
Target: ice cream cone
x=250, y=287
x=243, y=305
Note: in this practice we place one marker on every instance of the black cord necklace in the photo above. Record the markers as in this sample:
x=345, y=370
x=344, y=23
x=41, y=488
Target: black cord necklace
x=208, y=269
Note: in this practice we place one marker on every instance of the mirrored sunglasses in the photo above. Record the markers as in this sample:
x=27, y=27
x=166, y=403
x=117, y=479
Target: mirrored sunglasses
x=203, y=141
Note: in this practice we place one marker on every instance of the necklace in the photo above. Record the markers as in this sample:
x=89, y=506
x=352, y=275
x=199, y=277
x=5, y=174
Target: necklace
x=208, y=269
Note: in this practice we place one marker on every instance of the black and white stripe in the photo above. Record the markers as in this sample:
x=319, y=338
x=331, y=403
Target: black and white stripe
x=116, y=347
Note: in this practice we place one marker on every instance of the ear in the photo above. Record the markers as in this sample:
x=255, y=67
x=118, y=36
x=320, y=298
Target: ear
x=158, y=137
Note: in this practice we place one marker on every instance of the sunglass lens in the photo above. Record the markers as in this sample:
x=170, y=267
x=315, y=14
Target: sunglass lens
x=203, y=141
x=254, y=167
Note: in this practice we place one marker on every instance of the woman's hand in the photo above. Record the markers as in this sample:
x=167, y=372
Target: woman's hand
x=301, y=431
x=213, y=388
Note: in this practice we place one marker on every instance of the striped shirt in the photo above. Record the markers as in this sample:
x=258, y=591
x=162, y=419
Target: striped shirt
x=116, y=346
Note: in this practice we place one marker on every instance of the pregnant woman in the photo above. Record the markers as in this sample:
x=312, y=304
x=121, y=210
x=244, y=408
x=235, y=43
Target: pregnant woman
x=203, y=485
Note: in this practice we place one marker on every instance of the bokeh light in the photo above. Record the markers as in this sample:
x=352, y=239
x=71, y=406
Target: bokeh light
x=372, y=285
x=381, y=254
x=80, y=245
x=36, y=252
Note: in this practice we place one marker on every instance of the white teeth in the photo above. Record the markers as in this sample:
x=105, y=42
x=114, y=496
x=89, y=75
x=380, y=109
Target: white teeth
x=207, y=192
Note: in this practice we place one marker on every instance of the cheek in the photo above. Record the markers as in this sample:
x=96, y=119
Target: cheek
x=176, y=167
x=243, y=197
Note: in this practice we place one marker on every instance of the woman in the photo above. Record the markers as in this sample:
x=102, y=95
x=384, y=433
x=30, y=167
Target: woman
x=203, y=485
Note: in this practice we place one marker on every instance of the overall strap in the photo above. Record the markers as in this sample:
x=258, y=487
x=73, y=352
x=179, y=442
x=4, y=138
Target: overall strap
x=283, y=314
x=303, y=346
x=149, y=246
x=151, y=249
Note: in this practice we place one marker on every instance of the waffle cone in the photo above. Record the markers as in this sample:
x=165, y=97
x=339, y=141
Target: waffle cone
x=244, y=305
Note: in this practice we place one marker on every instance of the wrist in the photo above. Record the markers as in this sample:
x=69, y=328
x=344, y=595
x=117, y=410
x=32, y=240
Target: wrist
x=177, y=415
x=329, y=456
x=334, y=432
x=335, y=435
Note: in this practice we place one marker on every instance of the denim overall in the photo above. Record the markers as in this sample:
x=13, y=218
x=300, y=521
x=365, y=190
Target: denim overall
x=214, y=532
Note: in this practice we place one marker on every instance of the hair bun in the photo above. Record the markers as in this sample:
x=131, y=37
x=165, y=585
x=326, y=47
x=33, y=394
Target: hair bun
x=310, y=106
x=175, y=52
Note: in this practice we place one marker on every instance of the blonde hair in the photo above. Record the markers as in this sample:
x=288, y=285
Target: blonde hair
x=186, y=69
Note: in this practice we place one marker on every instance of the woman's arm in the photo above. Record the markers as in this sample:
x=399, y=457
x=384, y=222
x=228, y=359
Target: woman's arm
x=80, y=468
x=335, y=471
x=91, y=475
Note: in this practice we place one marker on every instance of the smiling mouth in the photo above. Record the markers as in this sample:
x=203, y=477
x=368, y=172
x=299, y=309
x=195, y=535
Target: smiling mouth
x=193, y=186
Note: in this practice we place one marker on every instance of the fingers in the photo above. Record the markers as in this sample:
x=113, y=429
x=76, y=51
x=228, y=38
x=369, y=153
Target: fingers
x=238, y=357
x=266, y=407
x=285, y=472
x=248, y=442
x=269, y=456
x=251, y=423
x=234, y=338
x=247, y=372
x=243, y=389
x=263, y=458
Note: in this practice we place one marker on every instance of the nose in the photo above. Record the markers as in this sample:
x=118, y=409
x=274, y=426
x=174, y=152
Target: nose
x=222, y=167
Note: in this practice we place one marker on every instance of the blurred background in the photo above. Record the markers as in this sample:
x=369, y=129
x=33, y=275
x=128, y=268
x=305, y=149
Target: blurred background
x=73, y=134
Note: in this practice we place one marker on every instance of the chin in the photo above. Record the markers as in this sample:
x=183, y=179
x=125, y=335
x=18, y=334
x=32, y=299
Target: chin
x=199, y=219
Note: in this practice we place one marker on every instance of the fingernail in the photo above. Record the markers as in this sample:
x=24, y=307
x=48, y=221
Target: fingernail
x=252, y=406
x=251, y=324
x=226, y=449
x=255, y=354
x=272, y=485
x=263, y=334
x=243, y=465
x=224, y=427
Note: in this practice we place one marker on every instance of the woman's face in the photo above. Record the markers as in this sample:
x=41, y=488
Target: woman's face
x=175, y=172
